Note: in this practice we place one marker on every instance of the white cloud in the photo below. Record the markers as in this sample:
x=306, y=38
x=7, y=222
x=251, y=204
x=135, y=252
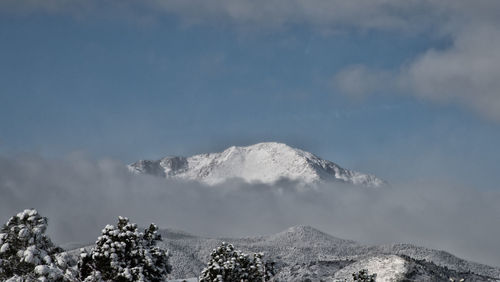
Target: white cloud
x=466, y=74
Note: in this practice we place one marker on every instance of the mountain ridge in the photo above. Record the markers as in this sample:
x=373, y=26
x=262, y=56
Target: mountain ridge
x=265, y=162
x=305, y=252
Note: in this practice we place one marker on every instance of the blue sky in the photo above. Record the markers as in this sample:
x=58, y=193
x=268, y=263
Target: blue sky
x=372, y=88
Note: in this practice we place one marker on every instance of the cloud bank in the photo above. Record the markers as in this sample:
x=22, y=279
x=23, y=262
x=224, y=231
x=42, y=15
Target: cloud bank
x=81, y=196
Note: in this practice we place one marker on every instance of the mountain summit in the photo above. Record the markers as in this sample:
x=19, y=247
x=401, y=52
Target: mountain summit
x=263, y=162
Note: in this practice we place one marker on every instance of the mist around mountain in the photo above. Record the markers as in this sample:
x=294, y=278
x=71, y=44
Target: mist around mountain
x=81, y=196
x=266, y=163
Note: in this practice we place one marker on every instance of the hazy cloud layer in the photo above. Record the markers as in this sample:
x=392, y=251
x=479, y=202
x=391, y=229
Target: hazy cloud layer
x=383, y=14
x=412, y=15
x=81, y=196
x=328, y=14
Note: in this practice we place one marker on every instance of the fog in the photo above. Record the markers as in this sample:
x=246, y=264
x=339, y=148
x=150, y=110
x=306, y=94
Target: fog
x=80, y=196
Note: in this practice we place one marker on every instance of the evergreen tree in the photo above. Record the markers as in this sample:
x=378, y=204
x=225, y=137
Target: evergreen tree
x=227, y=264
x=122, y=253
x=27, y=254
x=363, y=276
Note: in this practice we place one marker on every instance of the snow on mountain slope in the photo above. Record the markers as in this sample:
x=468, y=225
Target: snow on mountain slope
x=262, y=162
x=387, y=267
x=304, y=253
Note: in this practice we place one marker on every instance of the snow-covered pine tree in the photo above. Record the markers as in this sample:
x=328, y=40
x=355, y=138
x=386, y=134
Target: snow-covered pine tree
x=27, y=254
x=363, y=276
x=122, y=253
x=227, y=264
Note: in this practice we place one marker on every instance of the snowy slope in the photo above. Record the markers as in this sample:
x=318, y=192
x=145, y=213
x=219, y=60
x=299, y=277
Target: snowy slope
x=387, y=267
x=262, y=162
x=304, y=253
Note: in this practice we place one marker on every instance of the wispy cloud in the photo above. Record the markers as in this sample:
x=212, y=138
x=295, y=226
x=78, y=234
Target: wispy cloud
x=412, y=15
x=272, y=13
x=466, y=74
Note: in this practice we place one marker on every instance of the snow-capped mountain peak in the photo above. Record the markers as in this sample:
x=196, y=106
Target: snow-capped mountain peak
x=263, y=162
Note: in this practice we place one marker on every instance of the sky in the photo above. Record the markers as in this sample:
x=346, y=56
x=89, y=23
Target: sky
x=406, y=90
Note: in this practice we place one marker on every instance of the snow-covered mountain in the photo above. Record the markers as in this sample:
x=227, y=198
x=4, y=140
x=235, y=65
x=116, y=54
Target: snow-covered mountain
x=263, y=162
x=304, y=253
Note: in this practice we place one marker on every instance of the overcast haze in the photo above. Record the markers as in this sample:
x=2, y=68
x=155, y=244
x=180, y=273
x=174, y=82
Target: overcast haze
x=406, y=90
x=80, y=197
